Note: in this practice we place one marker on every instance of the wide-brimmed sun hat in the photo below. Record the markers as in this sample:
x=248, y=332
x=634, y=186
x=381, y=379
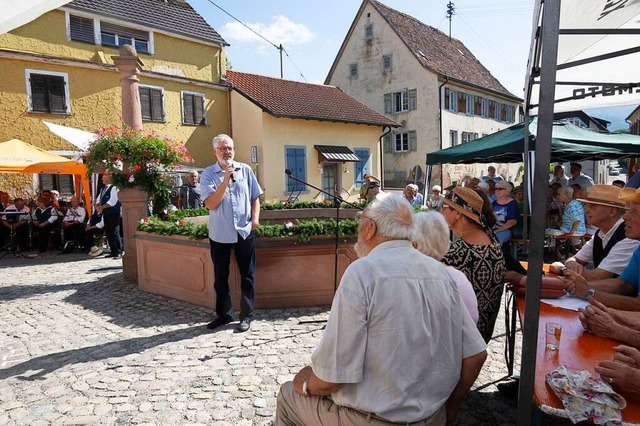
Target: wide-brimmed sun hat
x=96, y=251
x=465, y=201
x=603, y=195
x=630, y=195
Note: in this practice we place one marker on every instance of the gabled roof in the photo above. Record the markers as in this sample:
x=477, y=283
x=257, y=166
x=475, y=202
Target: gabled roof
x=293, y=99
x=172, y=16
x=434, y=51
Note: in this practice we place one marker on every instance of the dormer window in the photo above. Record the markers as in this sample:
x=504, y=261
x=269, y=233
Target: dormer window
x=116, y=35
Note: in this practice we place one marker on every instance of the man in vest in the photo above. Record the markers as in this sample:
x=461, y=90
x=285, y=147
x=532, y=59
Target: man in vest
x=609, y=250
x=46, y=221
x=109, y=206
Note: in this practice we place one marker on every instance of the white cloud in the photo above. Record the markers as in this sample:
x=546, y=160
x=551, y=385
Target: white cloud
x=280, y=30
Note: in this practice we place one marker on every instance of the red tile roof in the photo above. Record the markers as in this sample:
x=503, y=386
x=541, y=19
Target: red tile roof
x=293, y=99
x=435, y=51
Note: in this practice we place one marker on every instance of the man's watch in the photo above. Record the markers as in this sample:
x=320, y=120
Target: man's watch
x=305, y=388
x=589, y=293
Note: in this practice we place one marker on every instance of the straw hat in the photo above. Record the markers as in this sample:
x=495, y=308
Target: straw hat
x=604, y=195
x=630, y=195
x=96, y=251
x=465, y=201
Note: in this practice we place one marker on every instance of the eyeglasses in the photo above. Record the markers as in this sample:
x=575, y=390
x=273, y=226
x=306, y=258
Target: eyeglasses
x=501, y=189
x=225, y=148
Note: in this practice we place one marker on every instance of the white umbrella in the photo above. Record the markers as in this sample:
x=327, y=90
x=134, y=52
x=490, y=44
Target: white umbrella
x=77, y=137
x=16, y=13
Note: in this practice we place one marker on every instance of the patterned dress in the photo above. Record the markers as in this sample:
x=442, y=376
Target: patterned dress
x=484, y=266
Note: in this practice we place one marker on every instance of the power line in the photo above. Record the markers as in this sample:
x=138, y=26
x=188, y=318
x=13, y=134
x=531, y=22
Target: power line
x=294, y=64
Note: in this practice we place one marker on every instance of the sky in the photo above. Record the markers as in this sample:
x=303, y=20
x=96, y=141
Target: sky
x=497, y=32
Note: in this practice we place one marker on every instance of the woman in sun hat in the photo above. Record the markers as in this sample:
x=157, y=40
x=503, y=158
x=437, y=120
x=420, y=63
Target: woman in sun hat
x=476, y=252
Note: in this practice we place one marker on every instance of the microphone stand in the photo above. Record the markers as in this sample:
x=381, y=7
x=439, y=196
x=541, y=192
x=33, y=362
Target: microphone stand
x=337, y=200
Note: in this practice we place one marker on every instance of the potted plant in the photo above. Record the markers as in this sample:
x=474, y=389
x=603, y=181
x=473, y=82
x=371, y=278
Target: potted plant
x=137, y=159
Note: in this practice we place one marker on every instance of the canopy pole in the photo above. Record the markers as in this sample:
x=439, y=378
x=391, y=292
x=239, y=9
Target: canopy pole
x=549, y=60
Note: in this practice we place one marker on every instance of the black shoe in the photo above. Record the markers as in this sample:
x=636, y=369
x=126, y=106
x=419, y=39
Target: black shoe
x=245, y=325
x=219, y=322
x=117, y=257
x=509, y=389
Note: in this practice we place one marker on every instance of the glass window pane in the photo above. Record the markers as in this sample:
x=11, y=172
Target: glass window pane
x=124, y=40
x=108, y=39
x=142, y=46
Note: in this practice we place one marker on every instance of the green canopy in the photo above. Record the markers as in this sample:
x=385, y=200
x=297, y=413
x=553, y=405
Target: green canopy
x=569, y=143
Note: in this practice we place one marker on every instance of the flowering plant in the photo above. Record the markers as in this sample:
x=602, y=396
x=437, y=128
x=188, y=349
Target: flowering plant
x=135, y=158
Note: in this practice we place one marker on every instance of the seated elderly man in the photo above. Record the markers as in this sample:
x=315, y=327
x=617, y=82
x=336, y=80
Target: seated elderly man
x=609, y=251
x=46, y=220
x=412, y=195
x=94, y=229
x=15, y=221
x=73, y=224
x=621, y=292
x=388, y=327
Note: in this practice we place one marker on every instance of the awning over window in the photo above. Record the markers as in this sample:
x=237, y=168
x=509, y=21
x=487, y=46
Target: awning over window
x=337, y=153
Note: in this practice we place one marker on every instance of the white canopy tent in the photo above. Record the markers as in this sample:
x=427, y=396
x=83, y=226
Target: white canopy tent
x=16, y=13
x=584, y=54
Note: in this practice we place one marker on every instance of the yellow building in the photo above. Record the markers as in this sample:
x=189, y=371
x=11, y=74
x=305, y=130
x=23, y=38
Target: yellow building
x=58, y=68
x=324, y=136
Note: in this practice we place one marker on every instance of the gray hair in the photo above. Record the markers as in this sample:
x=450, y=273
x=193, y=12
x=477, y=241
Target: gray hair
x=412, y=186
x=393, y=215
x=565, y=190
x=431, y=234
x=221, y=138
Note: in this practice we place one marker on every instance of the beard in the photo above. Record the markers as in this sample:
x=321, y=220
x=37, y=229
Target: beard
x=361, y=249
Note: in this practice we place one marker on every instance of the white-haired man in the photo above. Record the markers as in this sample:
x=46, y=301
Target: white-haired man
x=412, y=195
x=189, y=193
x=231, y=192
x=389, y=325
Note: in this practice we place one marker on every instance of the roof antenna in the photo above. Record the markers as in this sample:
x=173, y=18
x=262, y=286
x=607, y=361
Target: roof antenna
x=451, y=10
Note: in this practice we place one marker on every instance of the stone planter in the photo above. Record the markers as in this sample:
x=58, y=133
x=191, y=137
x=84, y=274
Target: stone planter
x=135, y=206
x=270, y=217
x=288, y=273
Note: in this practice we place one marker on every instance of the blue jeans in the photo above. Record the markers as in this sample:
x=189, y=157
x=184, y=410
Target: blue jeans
x=245, y=251
x=504, y=236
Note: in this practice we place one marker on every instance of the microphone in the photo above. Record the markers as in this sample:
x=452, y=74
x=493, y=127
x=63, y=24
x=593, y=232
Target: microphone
x=230, y=164
x=288, y=172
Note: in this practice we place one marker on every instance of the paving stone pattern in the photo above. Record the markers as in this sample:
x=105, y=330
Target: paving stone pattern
x=79, y=346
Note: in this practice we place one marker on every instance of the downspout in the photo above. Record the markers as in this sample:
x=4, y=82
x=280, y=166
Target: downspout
x=440, y=107
x=384, y=133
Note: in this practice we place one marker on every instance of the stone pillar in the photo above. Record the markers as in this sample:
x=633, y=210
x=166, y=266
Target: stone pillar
x=129, y=65
x=134, y=201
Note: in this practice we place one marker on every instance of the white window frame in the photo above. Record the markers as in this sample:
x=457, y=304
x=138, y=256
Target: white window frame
x=453, y=100
x=453, y=137
x=404, y=101
x=404, y=140
x=67, y=98
x=164, y=107
x=470, y=104
x=484, y=109
x=188, y=92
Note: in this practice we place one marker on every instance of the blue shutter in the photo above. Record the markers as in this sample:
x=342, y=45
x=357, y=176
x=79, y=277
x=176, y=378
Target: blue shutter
x=362, y=167
x=296, y=161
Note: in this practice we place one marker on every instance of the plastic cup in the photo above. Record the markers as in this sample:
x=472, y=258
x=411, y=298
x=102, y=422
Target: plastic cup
x=554, y=332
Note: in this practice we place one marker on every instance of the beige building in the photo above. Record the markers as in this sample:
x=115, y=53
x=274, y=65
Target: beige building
x=324, y=136
x=430, y=84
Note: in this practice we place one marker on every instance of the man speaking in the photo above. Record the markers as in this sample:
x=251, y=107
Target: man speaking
x=230, y=191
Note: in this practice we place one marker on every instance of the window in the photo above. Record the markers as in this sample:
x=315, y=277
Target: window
x=60, y=183
x=387, y=63
x=400, y=101
x=295, y=158
x=47, y=92
x=469, y=103
x=576, y=122
x=401, y=142
x=462, y=102
x=503, y=112
x=492, y=109
x=477, y=105
x=469, y=136
x=353, y=70
x=116, y=35
x=152, y=103
x=453, y=137
x=368, y=31
x=81, y=29
x=485, y=108
x=452, y=97
x=193, y=109
x=362, y=167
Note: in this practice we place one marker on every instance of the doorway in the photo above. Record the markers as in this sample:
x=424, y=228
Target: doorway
x=330, y=181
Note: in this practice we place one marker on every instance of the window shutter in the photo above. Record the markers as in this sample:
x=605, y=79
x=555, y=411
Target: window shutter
x=39, y=96
x=81, y=29
x=46, y=181
x=157, y=112
x=413, y=141
x=145, y=102
x=200, y=113
x=386, y=142
x=187, y=108
x=446, y=99
x=387, y=103
x=413, y=99
x=56, y=94
x=66, y=184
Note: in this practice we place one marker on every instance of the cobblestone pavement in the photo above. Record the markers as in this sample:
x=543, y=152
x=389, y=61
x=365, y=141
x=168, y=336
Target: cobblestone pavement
x=78, y=345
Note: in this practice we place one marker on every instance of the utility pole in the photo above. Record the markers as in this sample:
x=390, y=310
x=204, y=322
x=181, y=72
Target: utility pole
x=280, y=48
x=451, y=10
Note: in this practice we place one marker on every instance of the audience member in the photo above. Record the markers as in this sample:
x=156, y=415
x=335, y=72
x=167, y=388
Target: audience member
x=580, y=178
x=620, y=292
x=73, y=225
x=435, y=200
x=364, y=188
x=473, y=183
x=46, y=220
x=476, y=252
x=94, y=229
x=634, y=181
x=623, y=326
x=16, y=225
x=431, y=237
x=506, y=212
x=559, y=176
x=572, y=216
x=491, y=175
x=609, y=251
x=412, y=195
x=365, y=381
x=623, y=373
x=189, y=194
x=374, y=190
x=4, y=200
